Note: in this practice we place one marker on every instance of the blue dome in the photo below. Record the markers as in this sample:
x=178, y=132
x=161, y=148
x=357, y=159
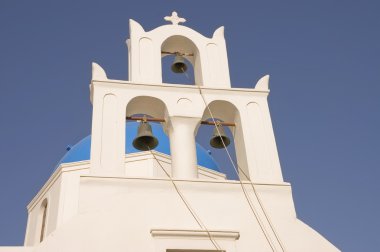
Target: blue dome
x=81, y=150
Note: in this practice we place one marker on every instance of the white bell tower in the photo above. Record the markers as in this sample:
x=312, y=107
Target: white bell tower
x=183, y=107
x=103, y=197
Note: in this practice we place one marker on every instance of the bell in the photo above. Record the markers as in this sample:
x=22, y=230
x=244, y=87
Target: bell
x=219, y=137
x=145, y=139
x=179, y=65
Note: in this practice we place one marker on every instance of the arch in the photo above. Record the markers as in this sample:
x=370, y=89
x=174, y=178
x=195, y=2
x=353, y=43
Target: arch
x=148, y=105
x=227, y=112
x=188, y=49
x=42, y=217
x=224, y=110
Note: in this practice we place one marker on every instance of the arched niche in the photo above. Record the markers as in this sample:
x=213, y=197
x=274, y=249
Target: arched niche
x=42, y=220
x=227, y=112
x=185, y=47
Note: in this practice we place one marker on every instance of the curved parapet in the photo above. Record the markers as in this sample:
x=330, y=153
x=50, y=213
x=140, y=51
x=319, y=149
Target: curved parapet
x=219, y=33
x=98, y=72
x=263, y=83
x=135, y=26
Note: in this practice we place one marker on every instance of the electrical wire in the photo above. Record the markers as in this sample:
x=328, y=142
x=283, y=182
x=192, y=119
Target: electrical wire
x=264, y=210
x=237, y=169
x=187, y=204
x=254, y=211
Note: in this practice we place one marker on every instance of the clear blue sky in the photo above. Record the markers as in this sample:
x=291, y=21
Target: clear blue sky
x=324, y=61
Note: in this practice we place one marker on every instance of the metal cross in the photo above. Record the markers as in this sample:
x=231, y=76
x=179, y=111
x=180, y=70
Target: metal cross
x=175, y=19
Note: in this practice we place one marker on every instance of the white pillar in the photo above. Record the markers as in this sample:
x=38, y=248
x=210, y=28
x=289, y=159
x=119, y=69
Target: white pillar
x=108, y=134
x=182, y=146
x=261, y=151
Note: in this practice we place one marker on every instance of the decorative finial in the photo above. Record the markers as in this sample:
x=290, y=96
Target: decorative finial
x=175, y=19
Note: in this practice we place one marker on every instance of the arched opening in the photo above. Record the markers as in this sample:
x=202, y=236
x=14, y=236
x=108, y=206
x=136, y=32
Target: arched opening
x=205, y=134
x=232, y=160
x=42, y=219
x=147, y=105
x=182, y=49
x=146, y=108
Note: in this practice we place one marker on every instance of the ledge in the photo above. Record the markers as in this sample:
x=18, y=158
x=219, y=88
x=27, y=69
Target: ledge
x=174, y=233
x=179, y=86
x=211, y=181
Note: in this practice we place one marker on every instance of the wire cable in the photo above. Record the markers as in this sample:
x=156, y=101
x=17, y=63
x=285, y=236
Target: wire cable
x=237, y=169
x=254, y=211
x=187, y=204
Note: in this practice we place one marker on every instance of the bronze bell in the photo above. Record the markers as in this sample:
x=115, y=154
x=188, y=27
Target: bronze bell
x=217, y=140
x=145, y=139
x=179, y=65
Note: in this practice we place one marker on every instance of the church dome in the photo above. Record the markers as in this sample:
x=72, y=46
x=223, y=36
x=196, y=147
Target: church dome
x=81, y=150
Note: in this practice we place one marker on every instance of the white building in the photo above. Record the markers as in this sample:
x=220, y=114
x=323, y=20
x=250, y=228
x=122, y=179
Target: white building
x=107, y=196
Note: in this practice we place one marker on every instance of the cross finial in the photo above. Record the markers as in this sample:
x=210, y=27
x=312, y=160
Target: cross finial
x=175, y=19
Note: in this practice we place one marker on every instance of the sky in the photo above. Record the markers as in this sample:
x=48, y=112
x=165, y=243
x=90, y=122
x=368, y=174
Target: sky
x=323, y=58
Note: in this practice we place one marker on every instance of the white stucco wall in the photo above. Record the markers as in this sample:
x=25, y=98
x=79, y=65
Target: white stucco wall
x=120, y=214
